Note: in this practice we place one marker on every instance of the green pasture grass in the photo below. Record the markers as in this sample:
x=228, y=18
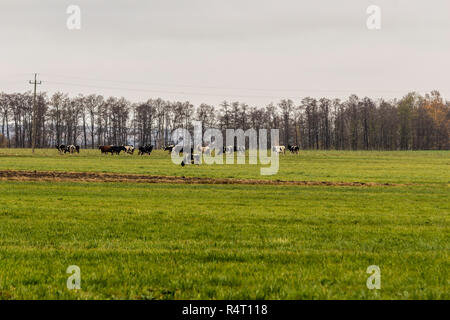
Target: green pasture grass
x=139, y=241
x=418, y=167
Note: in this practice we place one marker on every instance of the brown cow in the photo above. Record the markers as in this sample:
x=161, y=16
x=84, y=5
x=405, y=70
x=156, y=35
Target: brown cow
x=106, y=149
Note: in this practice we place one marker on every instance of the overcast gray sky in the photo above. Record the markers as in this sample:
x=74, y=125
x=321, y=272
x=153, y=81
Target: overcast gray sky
x=257, y=51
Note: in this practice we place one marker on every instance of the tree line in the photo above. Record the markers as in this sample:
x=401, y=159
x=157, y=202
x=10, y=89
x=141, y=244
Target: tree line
x=414, y=122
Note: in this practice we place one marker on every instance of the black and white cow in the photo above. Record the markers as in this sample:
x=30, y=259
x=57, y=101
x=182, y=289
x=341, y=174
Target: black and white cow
x=293, y=149
x=231, y=149
x=68, y=148
x=71, y=149
x=239, y=148
x=129, y=149
x=169, y=148
x=194, y=158
x=279, y=149
x=61, y=147
x=228, y=149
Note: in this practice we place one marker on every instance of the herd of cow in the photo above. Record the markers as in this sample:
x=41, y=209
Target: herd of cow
x=62, y=148
x=282, y=149
x=147, y=149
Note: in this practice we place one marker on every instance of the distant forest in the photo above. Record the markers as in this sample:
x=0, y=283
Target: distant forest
x=414, y=122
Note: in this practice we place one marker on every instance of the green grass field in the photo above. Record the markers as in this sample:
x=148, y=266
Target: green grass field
x=169, y=241
x=419, y=167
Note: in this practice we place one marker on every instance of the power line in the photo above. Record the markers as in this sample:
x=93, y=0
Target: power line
x=17, y=74
x=196, y=93
x=11, y=82
x=168, y=85
x=302, y=90
x=202, y=93
x=166, y=91
x=223, y=88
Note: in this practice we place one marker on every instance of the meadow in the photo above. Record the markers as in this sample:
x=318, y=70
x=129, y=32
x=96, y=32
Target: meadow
x=418, y=167
x=175, y=241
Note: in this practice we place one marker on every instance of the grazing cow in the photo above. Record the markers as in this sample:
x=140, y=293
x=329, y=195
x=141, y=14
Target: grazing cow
x=231, y=149
x=169, y=148
x=239, y=148
x=205, y=150
x=106, y=149
x=179, y=149
x=279, y=149
x=117, y=149
x=70, y=148
x=61, y=147
x=129, y=149
x=147, y=149
x=228, y=149
x=77, y=148
x=293, y=149
x=195, y=158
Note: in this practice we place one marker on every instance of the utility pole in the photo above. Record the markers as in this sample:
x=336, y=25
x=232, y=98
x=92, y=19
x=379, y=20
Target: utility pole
x=33, y=129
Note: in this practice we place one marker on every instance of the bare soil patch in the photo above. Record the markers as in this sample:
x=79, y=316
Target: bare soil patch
x=13, y=175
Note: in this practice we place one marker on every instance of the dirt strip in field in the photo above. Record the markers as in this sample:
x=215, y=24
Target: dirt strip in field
x=13, y=175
